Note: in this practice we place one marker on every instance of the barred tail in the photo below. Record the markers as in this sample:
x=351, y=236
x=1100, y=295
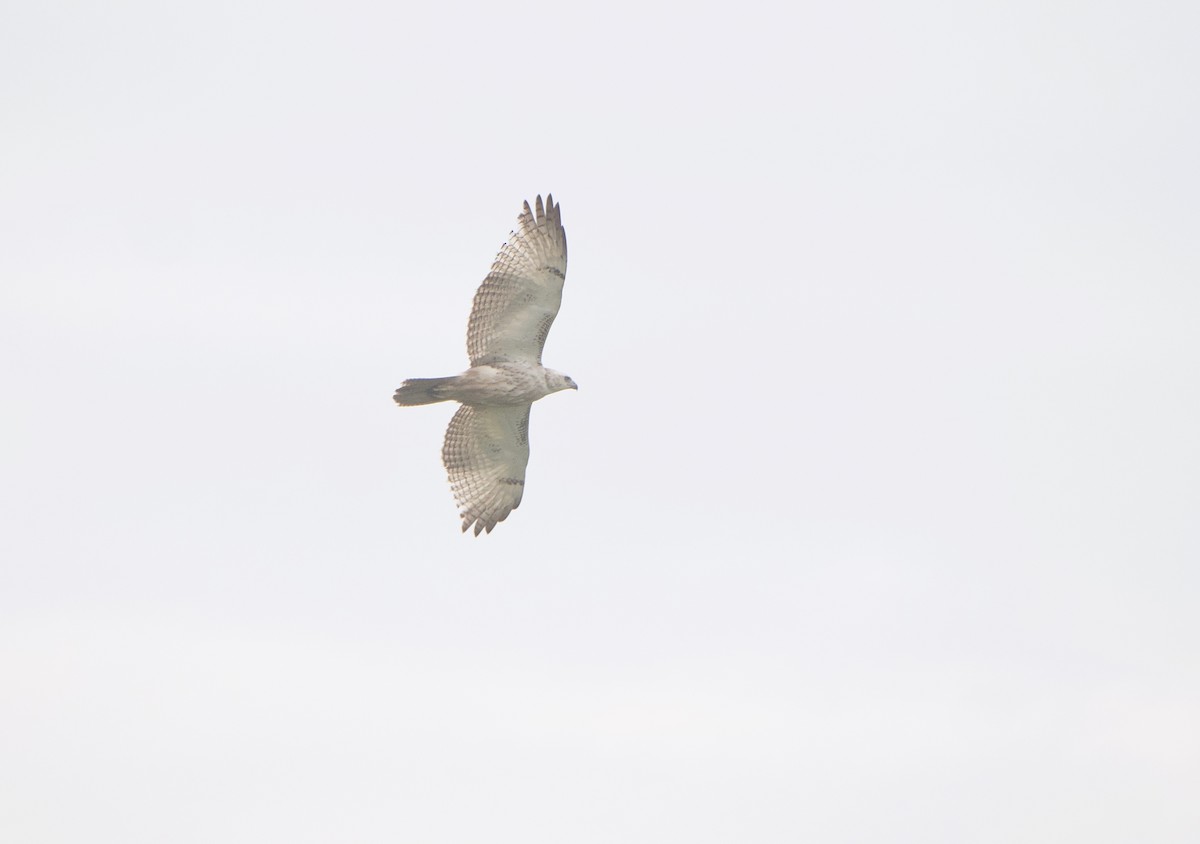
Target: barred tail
x=422, y=391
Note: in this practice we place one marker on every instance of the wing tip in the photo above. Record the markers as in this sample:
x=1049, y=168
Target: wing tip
x=483, y=521
x=481, y=525
x=542, y=211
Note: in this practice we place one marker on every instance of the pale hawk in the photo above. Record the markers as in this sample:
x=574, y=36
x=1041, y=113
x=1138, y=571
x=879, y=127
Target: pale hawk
x=487, y=444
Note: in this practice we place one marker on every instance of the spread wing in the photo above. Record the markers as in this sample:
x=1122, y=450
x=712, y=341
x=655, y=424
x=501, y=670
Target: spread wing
x=517, y=302
x=485, y=452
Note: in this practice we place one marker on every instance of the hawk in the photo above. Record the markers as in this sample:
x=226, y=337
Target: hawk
x=487, y=444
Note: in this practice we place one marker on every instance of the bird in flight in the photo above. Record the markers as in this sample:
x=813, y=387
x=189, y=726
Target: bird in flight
x=487, y=444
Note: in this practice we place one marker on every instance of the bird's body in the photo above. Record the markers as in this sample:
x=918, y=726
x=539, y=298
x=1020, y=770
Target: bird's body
x=487, y=444
x=508, y=383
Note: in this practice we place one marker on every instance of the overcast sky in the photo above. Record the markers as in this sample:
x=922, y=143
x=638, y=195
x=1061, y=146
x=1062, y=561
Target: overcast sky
x=876, y=517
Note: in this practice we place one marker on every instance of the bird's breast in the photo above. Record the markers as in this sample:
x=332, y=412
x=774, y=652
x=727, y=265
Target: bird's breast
x=501, y=384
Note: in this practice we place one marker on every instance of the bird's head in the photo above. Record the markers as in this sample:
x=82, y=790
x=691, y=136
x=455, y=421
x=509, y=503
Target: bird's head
x=557, y=381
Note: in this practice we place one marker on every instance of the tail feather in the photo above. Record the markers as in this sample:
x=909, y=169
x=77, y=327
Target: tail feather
x=416, y=391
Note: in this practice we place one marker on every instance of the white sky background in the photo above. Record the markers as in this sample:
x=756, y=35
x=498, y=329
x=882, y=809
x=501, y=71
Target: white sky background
x=875, y=515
